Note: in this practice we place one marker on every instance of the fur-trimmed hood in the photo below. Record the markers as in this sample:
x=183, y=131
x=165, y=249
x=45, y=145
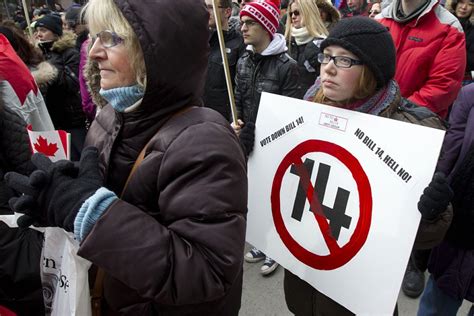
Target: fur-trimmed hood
x=67, y=40
x=326, y=6
x=92, y=77
x=181, y=60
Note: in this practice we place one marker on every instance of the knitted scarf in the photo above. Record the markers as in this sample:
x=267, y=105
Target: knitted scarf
x=123, y=98
x=301, y=35
x=374, y=104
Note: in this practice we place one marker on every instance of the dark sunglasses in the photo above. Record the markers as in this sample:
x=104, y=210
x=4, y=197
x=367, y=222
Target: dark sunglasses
x=295, y=13
x=108, y=38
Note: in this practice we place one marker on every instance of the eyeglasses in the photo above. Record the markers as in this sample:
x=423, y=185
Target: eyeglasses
x=248, y=23
x=374, y=12
x=295, y=13
x=108, y=39
x=339, y=61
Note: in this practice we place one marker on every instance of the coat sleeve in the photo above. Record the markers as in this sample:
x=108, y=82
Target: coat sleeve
x=67, y=65
x=431, y=233
x=455, y=135
x=291, y=81
x=195, y=255
x=445, y=76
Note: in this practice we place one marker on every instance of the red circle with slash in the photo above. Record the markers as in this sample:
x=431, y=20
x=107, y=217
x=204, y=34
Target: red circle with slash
x=338, y=256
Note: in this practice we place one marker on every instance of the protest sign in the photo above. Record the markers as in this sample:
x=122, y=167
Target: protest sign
x=333, y=197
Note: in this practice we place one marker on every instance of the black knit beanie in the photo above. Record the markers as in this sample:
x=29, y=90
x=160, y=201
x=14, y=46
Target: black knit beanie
x=370, y=41
x=52, y=22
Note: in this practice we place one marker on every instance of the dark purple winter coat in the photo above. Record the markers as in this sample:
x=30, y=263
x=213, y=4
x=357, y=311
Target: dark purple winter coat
x=460, y=135
x=453, y=267
x=173, y=243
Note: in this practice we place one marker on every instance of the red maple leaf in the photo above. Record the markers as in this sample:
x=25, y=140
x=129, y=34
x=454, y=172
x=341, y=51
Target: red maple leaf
x=42, y=146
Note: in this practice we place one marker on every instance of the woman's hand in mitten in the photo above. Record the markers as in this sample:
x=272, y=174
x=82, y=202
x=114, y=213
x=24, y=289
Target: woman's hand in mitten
x=54, y=192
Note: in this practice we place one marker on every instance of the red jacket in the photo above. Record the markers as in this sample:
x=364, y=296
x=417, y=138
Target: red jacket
x=431, y=56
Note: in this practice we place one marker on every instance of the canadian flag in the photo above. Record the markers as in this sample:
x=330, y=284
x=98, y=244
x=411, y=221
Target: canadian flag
x=53, y=144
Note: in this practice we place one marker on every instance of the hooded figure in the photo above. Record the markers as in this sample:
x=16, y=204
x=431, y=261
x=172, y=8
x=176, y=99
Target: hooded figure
x=170, y=237
x=329, y=13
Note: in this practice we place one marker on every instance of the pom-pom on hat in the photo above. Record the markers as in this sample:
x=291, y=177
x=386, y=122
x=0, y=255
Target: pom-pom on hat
x=370, y=41
x=52, y=22
x=265, y=12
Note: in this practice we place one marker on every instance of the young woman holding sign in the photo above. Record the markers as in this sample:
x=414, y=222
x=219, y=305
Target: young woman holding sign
x=358, y=75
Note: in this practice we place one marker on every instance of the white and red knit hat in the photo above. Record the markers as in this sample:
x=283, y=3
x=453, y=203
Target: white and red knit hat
x=265, y=12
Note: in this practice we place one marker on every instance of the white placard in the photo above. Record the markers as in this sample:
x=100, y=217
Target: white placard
x=369, y=173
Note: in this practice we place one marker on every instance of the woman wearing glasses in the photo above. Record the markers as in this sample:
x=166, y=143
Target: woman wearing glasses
x=357, y=75
x=304, y=32
x=170, y=237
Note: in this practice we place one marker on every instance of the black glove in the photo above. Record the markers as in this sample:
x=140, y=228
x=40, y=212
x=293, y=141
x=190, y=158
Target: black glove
x=247, y=137
x=436, y=197
x=53, y=193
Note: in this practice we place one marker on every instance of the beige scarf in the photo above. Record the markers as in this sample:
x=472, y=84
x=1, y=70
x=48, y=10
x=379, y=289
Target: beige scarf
x=301, y=35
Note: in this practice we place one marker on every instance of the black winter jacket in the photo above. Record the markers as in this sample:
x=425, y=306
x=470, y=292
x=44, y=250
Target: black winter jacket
x=469, y=32
x=62, y=95
x=20, y=248
x=215, y=93
x=306, y=55
x=276, y=74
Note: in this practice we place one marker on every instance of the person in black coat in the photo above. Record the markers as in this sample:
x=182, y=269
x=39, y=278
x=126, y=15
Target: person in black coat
x=20, y=248
x=216, y=94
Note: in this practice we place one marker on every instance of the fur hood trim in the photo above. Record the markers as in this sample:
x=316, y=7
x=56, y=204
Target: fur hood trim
x=68, y=40
x=92, y=77
x=44, y=73
x=334, y=15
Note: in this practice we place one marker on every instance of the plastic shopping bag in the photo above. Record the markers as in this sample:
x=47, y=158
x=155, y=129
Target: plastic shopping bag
x=64, y=275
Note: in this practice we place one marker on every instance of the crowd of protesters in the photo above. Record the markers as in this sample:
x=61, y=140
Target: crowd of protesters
x=158, y=167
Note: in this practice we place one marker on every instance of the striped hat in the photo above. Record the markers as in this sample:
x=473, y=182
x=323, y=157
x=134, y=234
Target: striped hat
x=265, y=12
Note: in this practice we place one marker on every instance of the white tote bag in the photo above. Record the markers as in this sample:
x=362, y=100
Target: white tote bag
x=64, y=275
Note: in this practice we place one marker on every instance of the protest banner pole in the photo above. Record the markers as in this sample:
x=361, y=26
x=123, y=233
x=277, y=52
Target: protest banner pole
x=27, y=17
x=7, y=10
x=225, y=63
